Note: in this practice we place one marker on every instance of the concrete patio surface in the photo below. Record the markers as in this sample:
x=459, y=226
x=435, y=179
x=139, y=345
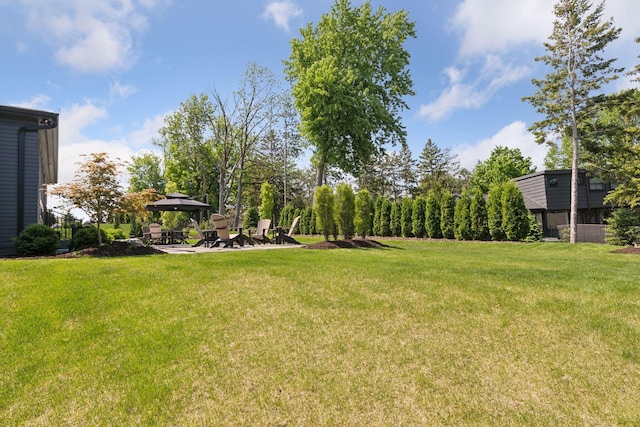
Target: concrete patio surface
x=178, y=249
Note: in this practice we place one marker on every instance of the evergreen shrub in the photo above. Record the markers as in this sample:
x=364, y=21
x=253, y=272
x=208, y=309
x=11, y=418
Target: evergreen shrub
x=37, y=240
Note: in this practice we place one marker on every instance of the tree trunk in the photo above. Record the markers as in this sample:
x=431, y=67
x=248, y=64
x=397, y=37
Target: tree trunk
x=320, y=173
x=573, y=220
x=236, y=218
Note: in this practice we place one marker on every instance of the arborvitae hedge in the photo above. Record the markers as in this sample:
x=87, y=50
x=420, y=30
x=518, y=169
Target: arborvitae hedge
x=494, y=212
x=405, y=217
x=515, y=216
x=324, y=205
x=447, y=215
x=418, y=216
x=462, y=218
x=433, y=227
x=364, y=213
x=377, y=210
x=478, y=212
x=385, y=218
x=345, y=209
x=396, y=218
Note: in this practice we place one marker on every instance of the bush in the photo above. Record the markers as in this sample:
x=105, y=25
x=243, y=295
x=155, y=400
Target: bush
x=396, y=219
x=515, y=216
x=418, y=216
x=385, y=217
x=364, y=213
x=447, y=210
x=494, y=212
x=478, y=211
x=623, y=227
x=345, y=209
x=116, y=234
x=462, y=218
x=251, y=218
x=433, y=227
x=405, y=217
x=87, y=237
x=324, y=205
x=37, y=239
x=535, y=230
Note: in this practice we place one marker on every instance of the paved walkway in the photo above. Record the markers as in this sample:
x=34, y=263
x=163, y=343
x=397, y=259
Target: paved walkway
x=188, y=249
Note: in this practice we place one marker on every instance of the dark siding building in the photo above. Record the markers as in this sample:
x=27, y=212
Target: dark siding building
x=547, y=195
x=28, y=161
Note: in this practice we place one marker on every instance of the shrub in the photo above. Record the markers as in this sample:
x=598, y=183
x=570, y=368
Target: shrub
x=251, y=218
x=418, y=216
x=515, y=216
x=364, y=213
x=396, y=219
x=385, y=217
x=535, y=230
x=433, y=227
x=267, y=198
x=324, y=201
x=462, y=218
x=345, y=209
x=623, y=227
x=405, y=217
x=494, y=212
x=87, y=237
x=116, y=234
x=37, y=239
x=447, y=211
x=478, y=212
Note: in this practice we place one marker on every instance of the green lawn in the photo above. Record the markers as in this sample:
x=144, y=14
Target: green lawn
x=421, y=333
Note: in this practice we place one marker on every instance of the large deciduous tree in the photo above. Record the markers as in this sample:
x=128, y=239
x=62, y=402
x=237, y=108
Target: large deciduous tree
x=349, y=75
x=565, y=96
x=145, y=172
x=502, y=165
x=95, y=189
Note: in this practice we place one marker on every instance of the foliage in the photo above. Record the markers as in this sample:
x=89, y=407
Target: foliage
x=565, y=96
x=364, y=213
x=623, y=227
x=37, y=239
x=437, y=168
x=345, y=209
x=515, y=216
x=95, y=189
x=447, y=215
x=385, y=217
x=503, y=164
x=135, y=203
x=479, y=218
x=406, y=214
x=349, y=75
x=494, y=212
x=267, y=201
x=251, y=217
x=535, y=230
x=462, y=218
x=308, y=221
x=323, y=206
x=87, y=237
x=396, y=218
x=418, y=216
x=145, y=171
x=433, y=214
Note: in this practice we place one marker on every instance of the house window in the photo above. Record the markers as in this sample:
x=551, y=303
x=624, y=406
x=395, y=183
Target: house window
x=596, y=184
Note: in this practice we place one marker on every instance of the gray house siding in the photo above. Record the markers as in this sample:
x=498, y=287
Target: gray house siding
x=21, y=182
x=548, y=195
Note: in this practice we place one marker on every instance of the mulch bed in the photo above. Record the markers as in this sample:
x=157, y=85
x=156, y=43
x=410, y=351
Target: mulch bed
x=116, y=248
x=347, y=244
x=628, y=250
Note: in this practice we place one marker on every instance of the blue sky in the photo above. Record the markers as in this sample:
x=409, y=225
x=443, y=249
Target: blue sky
x=114, y=69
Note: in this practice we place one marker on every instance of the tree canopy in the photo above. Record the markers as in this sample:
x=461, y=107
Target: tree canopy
x=502, y=165
x=565, y=97
x=349, y=75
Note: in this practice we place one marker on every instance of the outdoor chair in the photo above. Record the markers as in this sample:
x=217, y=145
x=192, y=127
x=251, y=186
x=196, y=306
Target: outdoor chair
x=224, y=237
x=201, y=237
x=262, y=231
x=288, y=236
x=146, y=233
x=155, y=232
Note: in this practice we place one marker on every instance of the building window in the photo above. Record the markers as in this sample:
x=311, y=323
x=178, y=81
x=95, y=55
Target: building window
x=596, y=184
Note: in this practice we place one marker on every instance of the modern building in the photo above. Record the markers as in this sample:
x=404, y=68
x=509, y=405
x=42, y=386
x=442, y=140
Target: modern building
x=28, y=161
x=547, y=195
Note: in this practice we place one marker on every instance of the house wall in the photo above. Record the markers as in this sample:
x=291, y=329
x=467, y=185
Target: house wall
x=535, y=189
x=9, y=129
x=559, y=195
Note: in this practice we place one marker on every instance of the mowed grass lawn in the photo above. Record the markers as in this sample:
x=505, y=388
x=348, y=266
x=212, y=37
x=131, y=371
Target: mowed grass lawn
x=420, y=333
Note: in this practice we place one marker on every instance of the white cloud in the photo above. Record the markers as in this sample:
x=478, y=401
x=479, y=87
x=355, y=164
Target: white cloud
x=514, y=135
x=149, y=131
x=36, y=102
x=282, y=12
x=121, y=91
x=89, y=36
x=493, y=76
x=497, y=25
